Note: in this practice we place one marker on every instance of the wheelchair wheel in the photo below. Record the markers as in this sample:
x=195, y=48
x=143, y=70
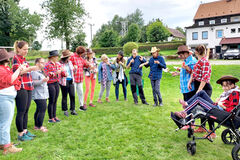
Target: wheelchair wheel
x=235, y=152
x=228, y=137
x=191, y=147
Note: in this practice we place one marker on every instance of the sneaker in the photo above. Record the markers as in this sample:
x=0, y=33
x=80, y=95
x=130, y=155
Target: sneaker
x=24, y=137
x=136, y=103
x=99, y=101
x=30, y=134
x=11, y=149
x=145, y=103
x=92, y=105
x=107, y=100
x=155, y=105
x=57, y=120
x=125, y=99
x=160, y=104
x=43, y=129
x=51, y=120
x=66, y=113
x=82, y=108
x=211, y=136
x=200, y=130
x=73, y=112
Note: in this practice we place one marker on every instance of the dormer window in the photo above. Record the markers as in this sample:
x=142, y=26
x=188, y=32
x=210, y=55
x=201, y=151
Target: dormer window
x=233, y=30
x=212, y=22
x=201, y=23
x=235, y=19
x=224, y=20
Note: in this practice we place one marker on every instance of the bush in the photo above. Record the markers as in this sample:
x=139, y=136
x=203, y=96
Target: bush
x=128, y=47
x=36, y=45
x=167, y=46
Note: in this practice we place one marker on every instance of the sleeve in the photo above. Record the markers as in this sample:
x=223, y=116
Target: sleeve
x=144, y=60
x=5, y=79
x=99, y=72
x=63, y=73
x=36, y=80
x=15, y=64
x=124, y=64
x=112, y=66
x=206, y=71
x=128, y=61
x=234, y=98
x=162, y=63
x=72, y=60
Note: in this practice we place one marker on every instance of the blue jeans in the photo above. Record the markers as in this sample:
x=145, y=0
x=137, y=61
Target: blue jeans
x=6, y=116
x=156, y=91
x=202, y=99
x=123, y=87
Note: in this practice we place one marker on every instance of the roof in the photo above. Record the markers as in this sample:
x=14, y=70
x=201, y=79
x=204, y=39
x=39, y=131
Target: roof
x=176, y=33
x=235, y=40
x=217, y=9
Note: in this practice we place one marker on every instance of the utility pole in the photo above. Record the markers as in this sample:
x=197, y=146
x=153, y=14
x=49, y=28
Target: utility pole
x=91, y=25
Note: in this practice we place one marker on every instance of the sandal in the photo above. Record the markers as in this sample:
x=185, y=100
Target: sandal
x=43, y=129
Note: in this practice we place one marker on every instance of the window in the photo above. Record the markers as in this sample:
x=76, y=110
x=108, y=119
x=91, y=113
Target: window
x=212, y=22
x=219, y=33
x=201, y=23
x=235, y=19
x=233, y=30
x=224, y=20
x=205, y=35
x=195, y=35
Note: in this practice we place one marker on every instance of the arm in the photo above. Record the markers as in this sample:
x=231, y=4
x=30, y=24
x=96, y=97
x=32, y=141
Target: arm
x=129, y=62
x=36, y=81
x=190, y=82
x=162, y=63
x=146, y=64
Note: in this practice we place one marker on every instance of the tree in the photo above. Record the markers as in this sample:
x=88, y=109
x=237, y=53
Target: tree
x=96, y=37
x=136, y=17
x=36, y=45
x=109, y=39
x=78, y=40
x=65, y=18
x=133, y=33
x=17, y=23
x=156, y=32
x=143, y=35
x=181, y=30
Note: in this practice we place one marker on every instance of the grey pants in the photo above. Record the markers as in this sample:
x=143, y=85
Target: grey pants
x=156, y=91
x=108, y=86
x=136, y=80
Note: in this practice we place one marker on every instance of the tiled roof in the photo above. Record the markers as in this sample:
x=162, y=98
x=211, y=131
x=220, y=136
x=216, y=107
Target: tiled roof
x=230, y=40
x=176, y=33
x=218, y=8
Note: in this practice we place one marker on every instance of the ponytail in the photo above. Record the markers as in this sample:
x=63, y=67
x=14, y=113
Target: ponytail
x=18, y=44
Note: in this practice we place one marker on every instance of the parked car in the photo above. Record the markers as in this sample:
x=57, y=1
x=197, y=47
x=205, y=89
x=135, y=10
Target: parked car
x=232, y=54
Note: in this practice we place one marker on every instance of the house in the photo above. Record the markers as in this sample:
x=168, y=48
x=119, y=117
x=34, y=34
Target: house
x=216, y=25
x=175, y=35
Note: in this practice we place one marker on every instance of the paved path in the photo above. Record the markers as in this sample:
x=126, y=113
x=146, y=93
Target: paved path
x=213, y=62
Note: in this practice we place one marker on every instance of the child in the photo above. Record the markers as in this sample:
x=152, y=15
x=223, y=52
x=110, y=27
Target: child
x=105, y=76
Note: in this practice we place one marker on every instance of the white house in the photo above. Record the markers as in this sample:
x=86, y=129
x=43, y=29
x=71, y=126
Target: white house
x=216, y=25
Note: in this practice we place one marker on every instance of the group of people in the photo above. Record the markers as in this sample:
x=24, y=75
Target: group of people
x=43, y=81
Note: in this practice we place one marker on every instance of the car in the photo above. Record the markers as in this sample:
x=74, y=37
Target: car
x=232, y=54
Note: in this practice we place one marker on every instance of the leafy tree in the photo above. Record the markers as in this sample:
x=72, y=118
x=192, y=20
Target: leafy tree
x=143, y=35
x=65, y=18
x=133, y=33
x=136, y=17
x=17, y=23
x=157, y=32
x=116, y=23
x=109, y=39
x=97, y=36
x=36, y=45
x=78, y=40
x=181, y=30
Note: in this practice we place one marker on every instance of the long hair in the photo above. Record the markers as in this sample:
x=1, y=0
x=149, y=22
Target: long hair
x=19, y=44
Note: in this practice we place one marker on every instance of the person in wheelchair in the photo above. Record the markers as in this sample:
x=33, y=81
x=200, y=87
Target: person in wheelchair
x=201, y=101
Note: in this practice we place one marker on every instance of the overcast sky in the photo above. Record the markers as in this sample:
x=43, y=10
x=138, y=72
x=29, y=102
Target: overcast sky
x=172, y=12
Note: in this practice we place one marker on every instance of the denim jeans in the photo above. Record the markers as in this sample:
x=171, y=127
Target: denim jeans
x=123, y=87
x=6, y=116
x=156, y=91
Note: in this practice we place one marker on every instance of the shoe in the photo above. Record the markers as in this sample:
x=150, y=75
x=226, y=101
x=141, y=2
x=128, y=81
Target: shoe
x=200, y=130
x=74, y=113
x=43, y=129
x=155, y=105
x=125, y=99
x=211, y=136
x=186, y=127
x=11, y=149
x=30, y=134
x=99, y=101
x=51, y=120
x=136, y=103
x=82, y=108
x=24, y=137
x=66, y=113
x=107, y=100
x=145, y=103
x=57, y=120
x=160, y=104
x=92, y=105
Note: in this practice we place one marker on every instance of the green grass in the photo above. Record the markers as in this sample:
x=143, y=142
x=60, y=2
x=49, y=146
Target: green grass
x=121, y=130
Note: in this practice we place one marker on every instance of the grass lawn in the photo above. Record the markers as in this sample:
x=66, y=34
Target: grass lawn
x=121, y=130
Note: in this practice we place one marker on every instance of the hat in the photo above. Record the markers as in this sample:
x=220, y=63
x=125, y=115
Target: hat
x=225, y=78
x=4, y=55
x=154, y=49
x=53, y=53
x=182, y=49
x=121, y=53
x=66, y=53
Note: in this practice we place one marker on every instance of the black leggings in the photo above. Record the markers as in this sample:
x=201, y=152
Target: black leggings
x=53, y=89
x=40, y=111
x=23, y=102
x=68, y=89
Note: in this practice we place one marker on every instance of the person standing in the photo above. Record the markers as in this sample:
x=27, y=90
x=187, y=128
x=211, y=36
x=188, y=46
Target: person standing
x=136, y=76
x=105, y=77
x=66, y=83
x=54, y=71
x=79, y=63
x=40, y=94
x=90, y=76
x=156, y=64
x=119, y=75
x=24, y=95
x=9, y=84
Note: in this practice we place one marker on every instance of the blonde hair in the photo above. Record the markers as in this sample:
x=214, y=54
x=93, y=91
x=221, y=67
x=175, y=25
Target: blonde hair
x=18, y=44
x=104, y=56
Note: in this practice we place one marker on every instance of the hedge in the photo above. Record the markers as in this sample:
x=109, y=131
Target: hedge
x=143, y=47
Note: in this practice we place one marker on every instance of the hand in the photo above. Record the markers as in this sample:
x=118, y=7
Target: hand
x=108, y=63
x=174, y=74
x=141, y=65
x=217, y=100
x=189, y=86
x=141, y=58
x=132, y=61
x=22, y=67
x=121, y=63
x=75, y=67
x=45, y=79
x=156, y=62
